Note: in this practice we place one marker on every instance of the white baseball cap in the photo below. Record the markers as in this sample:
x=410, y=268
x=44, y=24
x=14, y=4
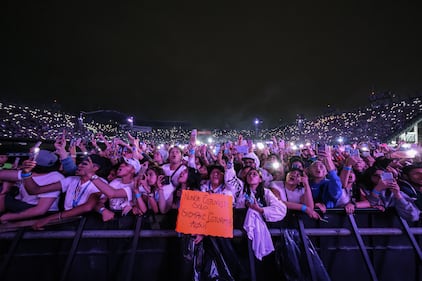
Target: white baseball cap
x=134, y=163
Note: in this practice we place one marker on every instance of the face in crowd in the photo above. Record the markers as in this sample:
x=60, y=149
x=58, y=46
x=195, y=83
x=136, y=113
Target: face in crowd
x=216, y=177
x=253, y=177
x=294, y=177
x=248, y=162
x=317, y=170
x=175, y=155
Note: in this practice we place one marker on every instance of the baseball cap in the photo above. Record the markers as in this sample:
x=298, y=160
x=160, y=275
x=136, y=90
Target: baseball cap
x=252, y=156
x=134, y=163
x=46, y=158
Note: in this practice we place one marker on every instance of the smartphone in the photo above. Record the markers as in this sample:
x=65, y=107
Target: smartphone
x=281, y=144
x=72, y=142
x=165, y=180
x=35, y=152
x=354, y=152
x=321, y=148
x=365, y=154
x=387, y=177
x=217, y=149
x=347, y=149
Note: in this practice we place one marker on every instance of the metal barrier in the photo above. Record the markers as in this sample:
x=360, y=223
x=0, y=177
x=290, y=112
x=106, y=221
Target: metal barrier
x=363, y=228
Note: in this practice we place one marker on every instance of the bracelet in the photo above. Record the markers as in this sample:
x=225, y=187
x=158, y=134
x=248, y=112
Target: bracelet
x=192, y=151
x=138, y=195
x=346, y=168
x=101, y=210
x=303, y=208
x=60, y=216
x=376, y=192
x=26, y=175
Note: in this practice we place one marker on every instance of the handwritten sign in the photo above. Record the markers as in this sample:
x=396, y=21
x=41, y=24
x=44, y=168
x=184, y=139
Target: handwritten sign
x=204, y=213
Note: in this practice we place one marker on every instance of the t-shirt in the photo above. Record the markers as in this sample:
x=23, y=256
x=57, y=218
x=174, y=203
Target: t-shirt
x=176, y=173
x=41, y=180
x=6, y=166
x=77, y=193
x=118, y=204
x=292, y=195
x=346, y=197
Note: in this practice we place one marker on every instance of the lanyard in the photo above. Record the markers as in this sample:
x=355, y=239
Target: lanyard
x=77, y=194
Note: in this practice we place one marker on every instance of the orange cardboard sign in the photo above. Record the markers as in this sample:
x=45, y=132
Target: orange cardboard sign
x=205, y=213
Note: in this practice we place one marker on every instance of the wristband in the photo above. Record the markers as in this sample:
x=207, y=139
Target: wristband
x=376, y=192
x=192, y=151
x=138, y=195
x=303, y=208
x=346, y=168
x=26, y=175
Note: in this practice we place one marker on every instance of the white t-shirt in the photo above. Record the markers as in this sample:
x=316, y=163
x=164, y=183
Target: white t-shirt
x=168, y=190
x=41, y=180
x=292, y=195
x=77, y=193
x=169, y=172
x=118, y=204
x=278, y=185
x=346, y=197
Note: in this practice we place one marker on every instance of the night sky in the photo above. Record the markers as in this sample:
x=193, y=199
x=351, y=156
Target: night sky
x=213, y=65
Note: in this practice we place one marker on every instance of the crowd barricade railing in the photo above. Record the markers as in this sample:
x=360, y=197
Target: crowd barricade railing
x=361, y=239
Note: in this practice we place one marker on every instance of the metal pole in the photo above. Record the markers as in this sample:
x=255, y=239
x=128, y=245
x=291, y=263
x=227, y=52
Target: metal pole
x=362, y=247
x=134, y=248
x=411, y=238
x=306, y=248
x=73, y=249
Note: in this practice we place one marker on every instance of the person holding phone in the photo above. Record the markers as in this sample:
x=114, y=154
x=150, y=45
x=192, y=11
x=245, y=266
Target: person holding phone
x=153, y=186
x=81, y=195
x=324, y=181
x=119, y=190
x=410, y=182
x=22, y=205
x=383, y=191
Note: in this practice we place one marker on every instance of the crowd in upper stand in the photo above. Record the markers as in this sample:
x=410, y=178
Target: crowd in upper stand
x=377, y=122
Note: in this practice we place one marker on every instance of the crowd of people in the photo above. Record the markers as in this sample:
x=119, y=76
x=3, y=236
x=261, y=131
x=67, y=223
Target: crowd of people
x=118, y=174
x=376, y=122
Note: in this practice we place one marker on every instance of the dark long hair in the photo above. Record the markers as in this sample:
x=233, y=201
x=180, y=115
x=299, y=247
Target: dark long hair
x=260, y=192
x=158, y=171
